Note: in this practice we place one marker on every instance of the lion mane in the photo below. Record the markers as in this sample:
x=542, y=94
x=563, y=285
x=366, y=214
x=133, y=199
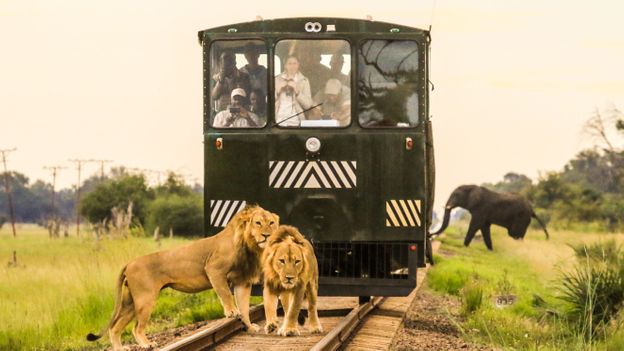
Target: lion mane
x=290, y=273
x=230, y=258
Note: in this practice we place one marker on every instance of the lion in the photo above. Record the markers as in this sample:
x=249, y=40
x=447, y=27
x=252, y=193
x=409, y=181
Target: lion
x=290, y=272
x=233, y=256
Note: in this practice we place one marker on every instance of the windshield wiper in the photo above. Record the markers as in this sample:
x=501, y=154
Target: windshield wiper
x=297, y=114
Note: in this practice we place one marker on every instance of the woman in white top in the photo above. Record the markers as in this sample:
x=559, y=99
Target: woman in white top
x=292, y=94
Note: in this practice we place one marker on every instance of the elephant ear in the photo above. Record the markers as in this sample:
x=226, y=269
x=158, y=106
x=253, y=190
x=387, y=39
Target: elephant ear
x=475, y=197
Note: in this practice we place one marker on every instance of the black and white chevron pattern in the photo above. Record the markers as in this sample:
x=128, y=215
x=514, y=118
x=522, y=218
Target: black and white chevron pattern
x=403, y=213
x=221, y=211
x=312, y=174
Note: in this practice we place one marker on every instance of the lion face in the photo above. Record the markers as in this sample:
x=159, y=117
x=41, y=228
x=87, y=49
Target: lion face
x=288, y=263
x=261, y=225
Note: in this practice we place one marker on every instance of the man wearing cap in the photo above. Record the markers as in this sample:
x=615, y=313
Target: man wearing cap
x=237, y=115
x=336, y=103
x=228, y=78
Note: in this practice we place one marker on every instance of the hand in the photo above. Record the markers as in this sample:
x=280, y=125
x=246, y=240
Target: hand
x=293, y=85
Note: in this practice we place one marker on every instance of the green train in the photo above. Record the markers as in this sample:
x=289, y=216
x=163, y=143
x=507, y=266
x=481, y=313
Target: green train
x=325, y=121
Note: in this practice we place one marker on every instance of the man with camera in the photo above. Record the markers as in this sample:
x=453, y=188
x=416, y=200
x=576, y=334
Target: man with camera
x=228, y=78
x=237, y=115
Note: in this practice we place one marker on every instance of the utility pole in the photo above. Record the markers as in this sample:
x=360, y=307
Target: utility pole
x=7, y=187
x=54, y=172
x=79, y=168
x=102, y=162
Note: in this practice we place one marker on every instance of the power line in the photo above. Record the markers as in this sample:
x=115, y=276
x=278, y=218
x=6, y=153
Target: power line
x=79, y=168
x=55, y=170
x=7, y=187
x=102, y=162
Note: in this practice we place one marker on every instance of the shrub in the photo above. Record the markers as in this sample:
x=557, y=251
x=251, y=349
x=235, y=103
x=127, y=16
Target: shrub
x=594, y=289
x=183, y=214
x=471, y=297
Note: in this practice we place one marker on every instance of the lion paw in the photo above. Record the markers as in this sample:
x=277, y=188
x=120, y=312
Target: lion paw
x=270, y=327
x=252, y=328
x=288, y=331
x=234, y=313
x=317, y=329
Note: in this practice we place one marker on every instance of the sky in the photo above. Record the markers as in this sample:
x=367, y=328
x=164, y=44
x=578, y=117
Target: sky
x=515, y=80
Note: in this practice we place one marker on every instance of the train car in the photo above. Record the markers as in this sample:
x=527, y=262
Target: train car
x=325, y=121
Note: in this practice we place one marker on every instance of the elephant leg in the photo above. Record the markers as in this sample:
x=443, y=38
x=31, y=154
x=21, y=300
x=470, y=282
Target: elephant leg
x=487, y=236
x=472, y=230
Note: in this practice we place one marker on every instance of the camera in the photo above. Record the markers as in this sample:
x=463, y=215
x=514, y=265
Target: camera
x=235, y=110
x=289, y=90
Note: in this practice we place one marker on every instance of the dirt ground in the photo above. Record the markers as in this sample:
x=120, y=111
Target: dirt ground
x=429, y=325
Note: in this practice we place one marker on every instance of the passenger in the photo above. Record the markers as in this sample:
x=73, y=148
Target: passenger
x=237, y=115
x=257, y=100
x=312, y=68
x=257, y=73
x=292, y=94
x=228, y=79
x=336, y=103
x=336, y=63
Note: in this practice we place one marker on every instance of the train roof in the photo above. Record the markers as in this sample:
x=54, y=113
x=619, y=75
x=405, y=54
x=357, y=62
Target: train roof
x=297, y=25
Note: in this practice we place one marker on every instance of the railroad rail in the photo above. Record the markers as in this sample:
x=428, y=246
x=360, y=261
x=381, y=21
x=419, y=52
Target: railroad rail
x=348, y=325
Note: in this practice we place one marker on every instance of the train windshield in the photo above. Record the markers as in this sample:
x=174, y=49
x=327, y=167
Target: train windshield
x=388, y=83
x=312, y=83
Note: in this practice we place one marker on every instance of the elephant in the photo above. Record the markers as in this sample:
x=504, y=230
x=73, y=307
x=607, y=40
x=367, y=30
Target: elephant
x=487, y=207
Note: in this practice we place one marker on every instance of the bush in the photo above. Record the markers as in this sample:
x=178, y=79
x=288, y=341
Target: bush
x=2, y=221
x=594, y=289
x=183, y=214
x=472, y=297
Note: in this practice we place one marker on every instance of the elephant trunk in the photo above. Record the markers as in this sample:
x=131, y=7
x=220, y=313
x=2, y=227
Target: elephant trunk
x=445, y=220
x=541, y=223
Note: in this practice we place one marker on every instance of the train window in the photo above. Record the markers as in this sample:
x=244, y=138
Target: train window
x=238, y=86
x=312, y=89
x=387, y=83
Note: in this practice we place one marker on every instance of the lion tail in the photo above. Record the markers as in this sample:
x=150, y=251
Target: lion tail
x=118, y=301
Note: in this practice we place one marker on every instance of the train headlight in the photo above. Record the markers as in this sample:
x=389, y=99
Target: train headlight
x=313, y=145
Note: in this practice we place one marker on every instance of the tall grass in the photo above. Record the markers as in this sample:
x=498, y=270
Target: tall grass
x=594, y=289
x=62, y=289
x=531, y=271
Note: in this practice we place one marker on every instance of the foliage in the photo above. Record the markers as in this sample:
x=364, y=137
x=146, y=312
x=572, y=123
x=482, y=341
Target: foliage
x=589, y=192
x=3, y=220
x=536, y=321
x=472, y=297
x=63, y=289
x=117, y=192
x=182, y=214
x=594, y=289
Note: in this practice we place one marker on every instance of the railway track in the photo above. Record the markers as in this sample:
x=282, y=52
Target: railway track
x=347, y=325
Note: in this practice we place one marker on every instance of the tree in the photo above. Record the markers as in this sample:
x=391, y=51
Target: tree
x=117, y=192
x=182, y=214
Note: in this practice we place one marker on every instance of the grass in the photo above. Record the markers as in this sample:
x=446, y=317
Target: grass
x=62, y=289
x=531, y=270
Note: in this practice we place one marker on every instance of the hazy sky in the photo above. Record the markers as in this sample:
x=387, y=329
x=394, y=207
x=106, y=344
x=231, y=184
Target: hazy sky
x=121, y=80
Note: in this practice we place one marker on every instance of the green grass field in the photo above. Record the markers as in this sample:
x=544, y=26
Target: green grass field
x=531, y=270
x=64, y=288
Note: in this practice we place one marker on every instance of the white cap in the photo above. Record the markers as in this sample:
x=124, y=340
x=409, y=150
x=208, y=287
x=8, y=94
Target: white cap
x=238, y=91
x=333, y=86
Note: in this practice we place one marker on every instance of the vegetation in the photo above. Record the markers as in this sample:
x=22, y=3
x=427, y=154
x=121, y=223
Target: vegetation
x=60, y=290
x=588, y=194
x=555, y=308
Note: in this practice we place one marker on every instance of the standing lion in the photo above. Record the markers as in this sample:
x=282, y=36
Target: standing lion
x=290, y=272
x=230, y=257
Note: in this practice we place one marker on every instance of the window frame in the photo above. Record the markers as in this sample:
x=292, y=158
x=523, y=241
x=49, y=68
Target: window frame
x=421, y=70
x=295, y=36
x=208, y=76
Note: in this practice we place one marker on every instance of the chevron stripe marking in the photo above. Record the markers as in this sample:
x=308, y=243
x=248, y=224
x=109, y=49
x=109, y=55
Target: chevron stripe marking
x=395, y=222
x=407, y=212
x=414, y=210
